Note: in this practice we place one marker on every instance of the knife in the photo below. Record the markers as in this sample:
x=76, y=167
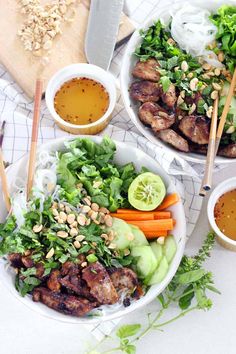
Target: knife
x=102, y=30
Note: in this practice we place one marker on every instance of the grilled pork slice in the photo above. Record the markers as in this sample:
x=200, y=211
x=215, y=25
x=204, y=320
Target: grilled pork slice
x=69, y=268
x=199, y=149
x=145, y=91
x=196, y=129
x=15, y=260
x=147, y=70
x=100, y=284
x=74, y=284
x=67, y=304
x=152, y=114
x=53, y=282
x=171, y=137
x=228, y=151
x=124, y=280
x=40, y=270
x=169, y=97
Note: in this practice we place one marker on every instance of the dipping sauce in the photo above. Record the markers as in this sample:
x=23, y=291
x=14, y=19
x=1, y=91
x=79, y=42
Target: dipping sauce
x=225, y=214
x=81, y=101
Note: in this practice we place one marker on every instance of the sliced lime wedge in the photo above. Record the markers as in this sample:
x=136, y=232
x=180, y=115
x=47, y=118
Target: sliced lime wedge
x=146, y=192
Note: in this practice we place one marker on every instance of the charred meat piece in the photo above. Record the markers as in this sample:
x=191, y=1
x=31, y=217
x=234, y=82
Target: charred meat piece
x=69, y=267
x=193, y=99
x=53, y=282
x=171, y=137
x=169, y=97
x=73, y=283
x=152, y=114
x=196, y=129
x=199, y=149
x=138, y=292
x=228, y=151
x=15, y=260
x=40, y=271
x=124, y=280
x=67, y=304
x=100, y=284
x=147, y=70
x=27, y=261
x=145, y=91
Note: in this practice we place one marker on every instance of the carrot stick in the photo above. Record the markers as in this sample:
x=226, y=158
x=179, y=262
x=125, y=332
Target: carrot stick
x=162, y=215
x=150, y=235
x=134, y=216
x=169, y=200
x=153, y=225
x=157, y=214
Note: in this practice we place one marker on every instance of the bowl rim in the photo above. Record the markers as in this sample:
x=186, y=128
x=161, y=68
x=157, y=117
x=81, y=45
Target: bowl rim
x=138, y=304
x=225, y=186
x=133, y=42
x=84, y=67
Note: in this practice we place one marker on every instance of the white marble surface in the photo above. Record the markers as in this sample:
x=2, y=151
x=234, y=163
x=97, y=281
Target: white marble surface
x=213, y=332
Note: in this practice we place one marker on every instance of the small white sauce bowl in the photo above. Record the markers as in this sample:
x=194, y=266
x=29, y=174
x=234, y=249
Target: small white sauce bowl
x=224, y=187
x=76, y=71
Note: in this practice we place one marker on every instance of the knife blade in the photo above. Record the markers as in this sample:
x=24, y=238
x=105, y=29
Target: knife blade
x=102, y=30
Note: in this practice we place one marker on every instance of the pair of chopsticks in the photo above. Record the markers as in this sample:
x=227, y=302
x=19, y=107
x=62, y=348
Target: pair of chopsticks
x=215, y=137
x=32, y=157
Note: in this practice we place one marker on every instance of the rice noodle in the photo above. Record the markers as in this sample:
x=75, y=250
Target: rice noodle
x=193, y=31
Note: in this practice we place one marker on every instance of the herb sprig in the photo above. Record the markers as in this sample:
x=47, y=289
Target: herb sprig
x=188, y=289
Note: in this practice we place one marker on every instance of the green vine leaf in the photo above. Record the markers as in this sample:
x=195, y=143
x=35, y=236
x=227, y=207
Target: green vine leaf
x=191, y=277
x=130, y=349
x=128, y=330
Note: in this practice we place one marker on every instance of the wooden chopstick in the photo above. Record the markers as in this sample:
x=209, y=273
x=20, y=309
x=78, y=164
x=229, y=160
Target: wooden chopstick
x=3, y=176
x=34, y=137
x=225, y=112
x=207, y=179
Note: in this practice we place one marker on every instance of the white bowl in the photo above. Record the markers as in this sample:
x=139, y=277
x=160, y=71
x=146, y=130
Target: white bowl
x=125, y=153
x=224, y=187
x=75, y=71
x=126, y=79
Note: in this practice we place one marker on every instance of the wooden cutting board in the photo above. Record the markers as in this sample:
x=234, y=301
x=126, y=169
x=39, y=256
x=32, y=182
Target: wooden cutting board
x=67, y=48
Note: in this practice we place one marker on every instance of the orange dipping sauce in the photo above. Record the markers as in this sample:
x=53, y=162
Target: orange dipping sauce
x=225, y=214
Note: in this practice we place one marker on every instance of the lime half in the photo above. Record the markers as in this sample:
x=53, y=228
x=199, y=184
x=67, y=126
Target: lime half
x=146, y=191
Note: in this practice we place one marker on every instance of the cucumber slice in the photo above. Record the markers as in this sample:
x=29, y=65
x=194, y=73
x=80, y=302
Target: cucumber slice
x=169, y=248
x=157, y=250
x=146, y=260
x=146, y=191
x=160, y=272
x=123, y=233
x=139, y=237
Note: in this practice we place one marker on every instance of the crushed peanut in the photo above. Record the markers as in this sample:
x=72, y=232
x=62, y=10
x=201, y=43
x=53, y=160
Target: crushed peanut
x=43, y=23
x=108, y=220
x=216, y=86
x=71, y=218
x=184, y=66
x=80, y=238
x=77, y=244
x=192, y=108
x=95, y=207
x=37, y=228
x=193, y=84
x=81, y=219
x=62, y=234
x=63, y=216
x=50, y=254
x=73, y=232
x=214, y=94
